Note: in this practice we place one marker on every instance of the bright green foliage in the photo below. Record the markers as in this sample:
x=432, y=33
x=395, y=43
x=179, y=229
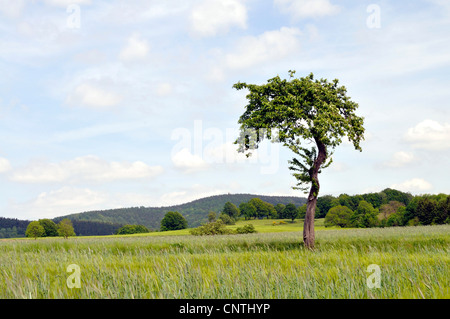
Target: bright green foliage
x=248, y=210
x=263, y=209
x=298, y=110
x=173, y=221
x=132, y=229
x=65, y=228
x=364, y=216
x=246, y=229
x=231, y=210
x=338, y=216
x=35, y=230
x=219, y=228
x=50, y=228
x=215, y=228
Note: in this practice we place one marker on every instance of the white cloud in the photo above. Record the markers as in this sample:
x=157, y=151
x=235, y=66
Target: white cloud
x=429, y=135
x=400, y=159
x=269, y=46
x=136, y=49
x=69, y=197
x=86, y=168
x=63, y=201
x=413, y=185
x=338, y=167
x=12, y=8
x=212, y=17
x=65, y=3
x=98, y=130
x=227, y=153
x=187, y=161
x=164, y=89
x=300, y=9
x=4, y=165
x=93, y=96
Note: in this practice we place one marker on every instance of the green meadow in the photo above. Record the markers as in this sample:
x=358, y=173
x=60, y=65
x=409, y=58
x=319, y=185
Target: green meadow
x=413, y=263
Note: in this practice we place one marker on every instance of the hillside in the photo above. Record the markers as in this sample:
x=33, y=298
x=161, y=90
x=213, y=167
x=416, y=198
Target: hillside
x=106, y=222
x=195, y=212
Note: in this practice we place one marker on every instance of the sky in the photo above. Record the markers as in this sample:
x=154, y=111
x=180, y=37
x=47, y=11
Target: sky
x=108, y=104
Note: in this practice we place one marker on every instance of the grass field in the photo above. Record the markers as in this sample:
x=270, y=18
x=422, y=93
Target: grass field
x=413, y=262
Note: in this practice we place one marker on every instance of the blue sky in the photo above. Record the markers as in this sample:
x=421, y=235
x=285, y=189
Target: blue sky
x=107, y=104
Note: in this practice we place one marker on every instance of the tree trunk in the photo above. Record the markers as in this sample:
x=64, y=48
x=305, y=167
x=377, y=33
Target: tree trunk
x=308, y=227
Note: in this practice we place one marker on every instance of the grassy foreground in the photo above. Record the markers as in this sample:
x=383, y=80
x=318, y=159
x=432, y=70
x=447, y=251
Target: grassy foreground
x=414, y=263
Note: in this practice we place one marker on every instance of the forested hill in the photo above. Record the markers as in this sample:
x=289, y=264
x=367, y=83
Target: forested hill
x=196, y=212
x=106, y=222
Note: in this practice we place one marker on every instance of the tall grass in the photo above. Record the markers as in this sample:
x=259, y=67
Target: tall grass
x=414, y=263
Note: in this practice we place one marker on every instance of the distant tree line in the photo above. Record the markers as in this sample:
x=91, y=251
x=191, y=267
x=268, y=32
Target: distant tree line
x=132, y=229
x=256, y=208
x=48, y=228
x=13, y=227
x=93, y=228
x=389, y=208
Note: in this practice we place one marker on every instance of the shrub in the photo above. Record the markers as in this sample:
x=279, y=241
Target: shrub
x=413, y=222
x=215, y=228
x=246, y=229
x=338, y=216
x=132, y=229
x=226, y=219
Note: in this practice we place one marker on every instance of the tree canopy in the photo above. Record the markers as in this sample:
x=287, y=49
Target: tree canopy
x=173, y=221
x=310, y=117
x=50, y=228
x=35, y=230
x=338, y=216
x=65, y=228
x=231, y=210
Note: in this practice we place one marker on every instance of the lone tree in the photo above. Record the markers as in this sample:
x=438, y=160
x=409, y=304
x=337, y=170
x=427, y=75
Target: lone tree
x=173, y=221
x=307, y=115
x=65, y=228
x=290, y=211
x=35, y=230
